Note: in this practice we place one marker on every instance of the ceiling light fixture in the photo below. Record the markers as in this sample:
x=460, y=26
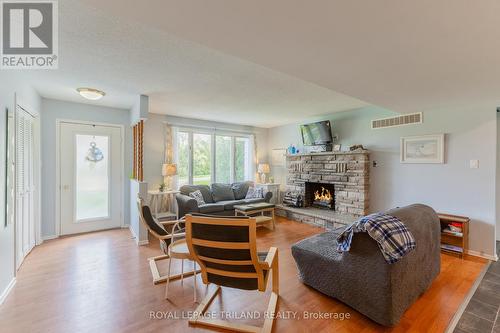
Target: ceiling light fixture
x=90, y=93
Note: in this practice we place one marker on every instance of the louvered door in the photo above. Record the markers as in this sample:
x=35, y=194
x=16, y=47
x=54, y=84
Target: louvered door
x=25, y=226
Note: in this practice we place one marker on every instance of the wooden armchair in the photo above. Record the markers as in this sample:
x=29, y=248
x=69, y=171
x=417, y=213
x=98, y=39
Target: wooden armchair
x=225, y=248
x=164, y=232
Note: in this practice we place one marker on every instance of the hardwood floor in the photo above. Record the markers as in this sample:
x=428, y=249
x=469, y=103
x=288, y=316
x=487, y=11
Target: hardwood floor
x=101, y=282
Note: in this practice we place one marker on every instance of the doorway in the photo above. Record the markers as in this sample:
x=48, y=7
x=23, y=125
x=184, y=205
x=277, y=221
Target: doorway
x=90, y=177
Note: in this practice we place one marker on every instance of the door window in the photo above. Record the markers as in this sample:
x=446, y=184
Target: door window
x=92, y=177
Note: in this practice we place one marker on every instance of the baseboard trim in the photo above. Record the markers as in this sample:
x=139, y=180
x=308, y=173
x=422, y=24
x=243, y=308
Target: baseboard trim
x=49, y=237
x=136, y=239
x=7, y=290
x=460, y=311
x=482, y=255
x=134, y=236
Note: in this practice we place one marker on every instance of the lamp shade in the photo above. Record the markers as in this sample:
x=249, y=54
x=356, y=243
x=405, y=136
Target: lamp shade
x=169, y=169
x=264, y=168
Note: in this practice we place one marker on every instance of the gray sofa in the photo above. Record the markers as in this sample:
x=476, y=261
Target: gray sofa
x=362, y=279
x=220, y=199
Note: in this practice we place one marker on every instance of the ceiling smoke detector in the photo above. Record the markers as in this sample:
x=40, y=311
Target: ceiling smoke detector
x=90, y=93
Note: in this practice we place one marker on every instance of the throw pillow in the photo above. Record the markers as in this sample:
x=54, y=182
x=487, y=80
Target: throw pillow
x=222, y=192
x=204, y=189
x=196, y=195
x=240, y=189
x=255, y=193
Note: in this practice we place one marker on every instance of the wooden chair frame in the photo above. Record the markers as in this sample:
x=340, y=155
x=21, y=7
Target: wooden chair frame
x=270, y=264
x=155, y=272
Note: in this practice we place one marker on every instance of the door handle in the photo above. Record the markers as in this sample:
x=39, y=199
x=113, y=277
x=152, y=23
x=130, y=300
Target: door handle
x=65, y=187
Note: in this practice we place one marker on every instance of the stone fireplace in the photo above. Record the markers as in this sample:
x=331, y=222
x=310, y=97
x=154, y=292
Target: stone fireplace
x=320, y=195
x=345, y=175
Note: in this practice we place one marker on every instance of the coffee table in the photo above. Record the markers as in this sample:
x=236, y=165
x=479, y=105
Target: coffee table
x=254, y=210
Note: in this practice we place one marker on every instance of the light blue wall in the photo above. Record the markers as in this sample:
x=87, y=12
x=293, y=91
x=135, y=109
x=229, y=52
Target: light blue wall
x=9, y=86
x=53, y=110
x=451, y=187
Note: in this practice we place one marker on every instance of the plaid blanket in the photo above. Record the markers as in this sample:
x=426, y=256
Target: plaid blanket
x=392, y=236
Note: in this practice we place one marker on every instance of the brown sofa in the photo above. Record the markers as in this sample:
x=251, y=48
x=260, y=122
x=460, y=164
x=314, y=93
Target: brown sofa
x=362, y=279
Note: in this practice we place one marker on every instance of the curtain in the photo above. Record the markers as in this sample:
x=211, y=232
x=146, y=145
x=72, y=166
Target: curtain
x=253, y=150
x=171, y=150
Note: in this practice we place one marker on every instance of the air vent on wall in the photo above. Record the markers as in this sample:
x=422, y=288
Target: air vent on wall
x=407, y=119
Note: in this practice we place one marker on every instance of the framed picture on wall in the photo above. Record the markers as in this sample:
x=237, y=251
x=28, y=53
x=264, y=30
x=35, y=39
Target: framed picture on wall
x=422, y=149
x=278, y=156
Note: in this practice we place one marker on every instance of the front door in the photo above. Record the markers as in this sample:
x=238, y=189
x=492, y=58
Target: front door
x=91, y=185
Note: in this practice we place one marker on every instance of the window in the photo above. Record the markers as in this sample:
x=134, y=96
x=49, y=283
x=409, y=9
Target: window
x=203, y=158
x=92, y=177
x=223, y=159
x=242, y=159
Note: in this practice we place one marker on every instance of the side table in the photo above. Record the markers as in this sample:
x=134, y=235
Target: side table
x=156, y=200
x=274, y=188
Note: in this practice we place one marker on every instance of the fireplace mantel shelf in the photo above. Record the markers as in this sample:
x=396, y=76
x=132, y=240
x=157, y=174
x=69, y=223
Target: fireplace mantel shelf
x=364, y=152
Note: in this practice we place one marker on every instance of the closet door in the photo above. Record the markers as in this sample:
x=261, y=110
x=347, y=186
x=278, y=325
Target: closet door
x=20, y=178
x=25, y=226
x=28, y=217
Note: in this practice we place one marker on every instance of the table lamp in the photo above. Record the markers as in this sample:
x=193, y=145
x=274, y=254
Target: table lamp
x=168, y=170
x=263, y=169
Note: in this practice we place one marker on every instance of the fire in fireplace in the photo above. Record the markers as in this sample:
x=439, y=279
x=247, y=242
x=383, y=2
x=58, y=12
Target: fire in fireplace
x=319, y=195
x=324, y=198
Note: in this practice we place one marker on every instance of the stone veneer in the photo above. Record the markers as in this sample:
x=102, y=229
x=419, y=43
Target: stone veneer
x=347, y=171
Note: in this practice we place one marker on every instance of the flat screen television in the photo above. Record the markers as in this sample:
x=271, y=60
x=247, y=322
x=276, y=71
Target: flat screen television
x=316, y=134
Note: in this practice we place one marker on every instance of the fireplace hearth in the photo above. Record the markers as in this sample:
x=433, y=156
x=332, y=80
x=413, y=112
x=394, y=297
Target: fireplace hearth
x=320, y=195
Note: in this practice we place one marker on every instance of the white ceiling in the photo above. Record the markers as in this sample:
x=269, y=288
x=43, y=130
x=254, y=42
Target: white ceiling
x=125, y=58
x=267, y=63
x=403, y=55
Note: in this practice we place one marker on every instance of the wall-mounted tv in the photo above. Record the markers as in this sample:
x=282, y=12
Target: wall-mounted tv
x=315, y=134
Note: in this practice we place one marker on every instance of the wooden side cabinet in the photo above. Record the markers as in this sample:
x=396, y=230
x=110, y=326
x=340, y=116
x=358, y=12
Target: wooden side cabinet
x=454, y=233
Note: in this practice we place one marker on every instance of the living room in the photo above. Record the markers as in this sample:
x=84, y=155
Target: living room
x=159, y=154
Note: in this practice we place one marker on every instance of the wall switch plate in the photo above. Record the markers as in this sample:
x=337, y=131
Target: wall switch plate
x=474, y=164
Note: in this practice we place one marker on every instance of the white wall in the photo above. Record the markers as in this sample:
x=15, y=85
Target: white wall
x=154, y=150
x=140, y=110
x=9, y=86
x=451, y=187
x=154, y=142
x=53, y=110
x=498, y=179
x=138, y=230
